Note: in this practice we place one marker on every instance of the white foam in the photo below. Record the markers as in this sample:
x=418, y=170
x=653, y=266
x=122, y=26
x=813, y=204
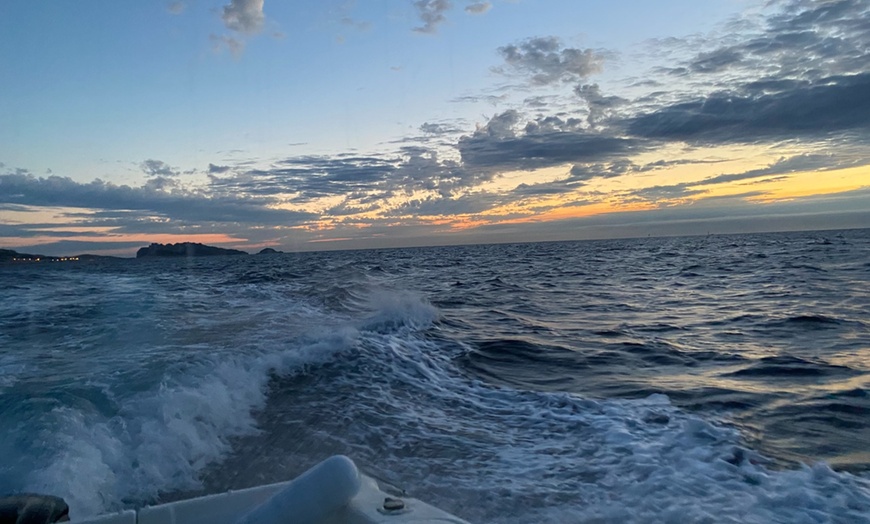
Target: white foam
x=162, y=439
x=500, y=455
x=392, y=311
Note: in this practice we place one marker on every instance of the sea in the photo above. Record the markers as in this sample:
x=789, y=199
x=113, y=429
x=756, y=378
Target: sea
x=718, y=378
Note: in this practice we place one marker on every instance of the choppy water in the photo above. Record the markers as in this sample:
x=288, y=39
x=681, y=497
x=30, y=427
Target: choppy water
x=705, y=379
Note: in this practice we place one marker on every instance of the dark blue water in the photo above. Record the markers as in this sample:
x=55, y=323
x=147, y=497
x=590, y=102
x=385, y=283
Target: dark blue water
x=702, y=379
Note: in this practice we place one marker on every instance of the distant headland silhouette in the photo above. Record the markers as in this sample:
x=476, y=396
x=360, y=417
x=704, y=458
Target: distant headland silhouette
x=185, y=249
x=181, y=249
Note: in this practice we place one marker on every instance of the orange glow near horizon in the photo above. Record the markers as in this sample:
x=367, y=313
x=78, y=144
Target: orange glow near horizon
x=604, y=194
x=337, y=239
x=806, y=184
x=466, y=222
x=689, y=173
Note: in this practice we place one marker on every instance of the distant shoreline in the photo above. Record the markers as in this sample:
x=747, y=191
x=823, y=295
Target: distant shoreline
x=154, y=250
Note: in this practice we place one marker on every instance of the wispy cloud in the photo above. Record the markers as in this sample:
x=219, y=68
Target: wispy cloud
x=431, y=13
x=798, y=163
x=187, y=206
x=478, y=8
x=244, y=16
x=233, y=45
x=154, y=168
x=545, y=61
x=177, y=7
x=800, y=40
x=439, y=128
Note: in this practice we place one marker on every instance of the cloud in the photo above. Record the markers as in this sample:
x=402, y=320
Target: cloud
x=468, y=204
x=784, y=166
x=423, y=170
x=538, y=102
x=158, y=168
x=663, y=194
x=615, y=168
x=493, y=100
x=438, y=129
x=501, y=125
x=659, y=164
x=545, y=61
x=815, y=111
x=308, y=178
x=186, y=206
x=217, y=170
x=829, y=36
x=360, y=181
x=547, y=141
x=558, y=187
x=360, y=25
x=601, y=108
x=221, y=42
x=431, y=13
x=478, y=8
x=794, y=164
x=32, y=230
x=716, y=61
x=244, y=16
x=177, y=7
x=801, y=40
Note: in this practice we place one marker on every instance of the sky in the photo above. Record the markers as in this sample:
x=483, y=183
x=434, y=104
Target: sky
x=341, y=124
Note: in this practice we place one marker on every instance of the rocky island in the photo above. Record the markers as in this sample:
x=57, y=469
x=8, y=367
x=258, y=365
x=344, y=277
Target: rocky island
x=185, y=249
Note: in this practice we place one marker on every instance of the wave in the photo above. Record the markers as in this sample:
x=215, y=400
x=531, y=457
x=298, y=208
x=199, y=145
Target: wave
x=159, y=440
x=116, y=443
x=791, y=366
x=392, y=311
x=144, y=428
x=402, y=405
x=811, y=320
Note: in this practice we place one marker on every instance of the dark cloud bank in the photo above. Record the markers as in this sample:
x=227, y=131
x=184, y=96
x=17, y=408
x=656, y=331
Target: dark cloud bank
x=814, y=111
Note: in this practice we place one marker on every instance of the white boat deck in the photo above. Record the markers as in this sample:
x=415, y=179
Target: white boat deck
x=332, y=492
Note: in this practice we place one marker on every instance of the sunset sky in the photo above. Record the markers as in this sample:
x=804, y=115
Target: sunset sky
x=335, y=124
